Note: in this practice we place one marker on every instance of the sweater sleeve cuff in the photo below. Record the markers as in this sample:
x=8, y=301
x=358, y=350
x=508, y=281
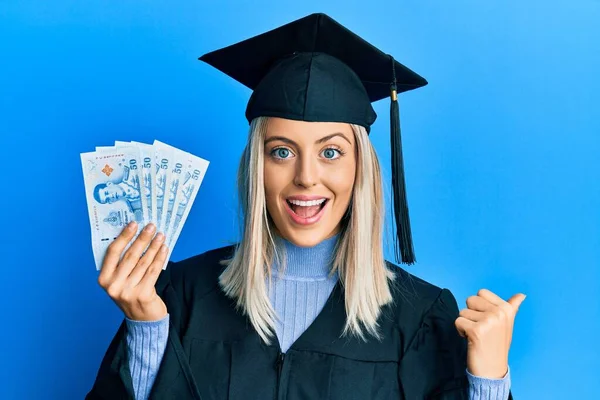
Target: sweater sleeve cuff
x=131, y=323
x=488, y=388
x=146, y=344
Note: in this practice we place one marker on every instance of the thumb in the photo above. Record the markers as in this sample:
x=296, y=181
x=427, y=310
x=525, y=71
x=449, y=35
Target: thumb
x=516, y=300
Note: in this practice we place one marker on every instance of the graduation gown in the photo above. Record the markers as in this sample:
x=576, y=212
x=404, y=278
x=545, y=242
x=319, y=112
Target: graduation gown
x=213, y=352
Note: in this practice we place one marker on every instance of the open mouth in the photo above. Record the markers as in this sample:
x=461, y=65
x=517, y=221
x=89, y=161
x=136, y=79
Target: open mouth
x=307, y=209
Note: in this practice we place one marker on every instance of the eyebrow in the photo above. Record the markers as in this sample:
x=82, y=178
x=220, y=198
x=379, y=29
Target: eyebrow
x=322, y=140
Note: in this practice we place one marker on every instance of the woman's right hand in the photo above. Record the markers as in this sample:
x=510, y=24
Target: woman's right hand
x=131, y=281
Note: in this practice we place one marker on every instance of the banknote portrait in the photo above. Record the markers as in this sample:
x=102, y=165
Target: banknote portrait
x=127, y=189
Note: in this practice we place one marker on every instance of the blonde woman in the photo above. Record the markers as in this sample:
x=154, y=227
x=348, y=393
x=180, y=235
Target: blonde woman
x=305, y=306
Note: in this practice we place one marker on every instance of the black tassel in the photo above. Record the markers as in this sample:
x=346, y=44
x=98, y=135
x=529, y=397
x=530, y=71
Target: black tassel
x=403, y=231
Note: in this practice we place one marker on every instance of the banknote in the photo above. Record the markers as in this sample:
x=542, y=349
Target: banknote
x=164, y=164
x=178, y=173
x=145, y=192
x=195, y=170
x=149, y=175
x=113, y=195
x=155, y=183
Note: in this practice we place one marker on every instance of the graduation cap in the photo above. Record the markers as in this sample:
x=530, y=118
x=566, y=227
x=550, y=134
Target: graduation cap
x=314, y=69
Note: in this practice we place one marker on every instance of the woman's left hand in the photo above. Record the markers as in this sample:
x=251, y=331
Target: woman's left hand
x=487, y=323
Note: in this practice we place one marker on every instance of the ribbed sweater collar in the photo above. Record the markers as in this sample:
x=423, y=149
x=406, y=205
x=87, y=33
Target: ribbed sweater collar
x=306, y=262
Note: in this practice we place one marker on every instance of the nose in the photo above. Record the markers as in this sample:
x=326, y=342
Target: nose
x=307, y=173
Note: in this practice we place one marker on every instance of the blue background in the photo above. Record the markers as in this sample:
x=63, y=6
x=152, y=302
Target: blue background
x=501, y=153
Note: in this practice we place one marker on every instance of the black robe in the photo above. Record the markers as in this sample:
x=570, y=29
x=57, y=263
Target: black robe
x=213, y=352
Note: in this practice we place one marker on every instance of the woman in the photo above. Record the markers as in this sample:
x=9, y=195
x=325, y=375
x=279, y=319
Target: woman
x=304, y=306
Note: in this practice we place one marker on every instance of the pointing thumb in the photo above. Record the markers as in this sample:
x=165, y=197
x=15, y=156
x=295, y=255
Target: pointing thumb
x=516, y=300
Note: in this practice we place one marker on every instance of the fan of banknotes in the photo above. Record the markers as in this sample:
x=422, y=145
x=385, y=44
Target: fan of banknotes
x=147, y=183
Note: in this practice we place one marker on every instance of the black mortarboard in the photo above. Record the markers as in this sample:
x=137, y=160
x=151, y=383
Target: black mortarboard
x=314, y=69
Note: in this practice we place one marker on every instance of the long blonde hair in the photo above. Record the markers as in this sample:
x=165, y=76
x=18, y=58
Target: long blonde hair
x=358, y=255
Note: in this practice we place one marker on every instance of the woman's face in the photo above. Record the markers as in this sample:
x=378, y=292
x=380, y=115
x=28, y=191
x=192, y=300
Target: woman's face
x=309, y=175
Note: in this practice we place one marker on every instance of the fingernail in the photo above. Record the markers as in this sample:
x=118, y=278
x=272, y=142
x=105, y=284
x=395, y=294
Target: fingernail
x=163, y=248
x=149, y=228
x=160, y=236
x=132, y=225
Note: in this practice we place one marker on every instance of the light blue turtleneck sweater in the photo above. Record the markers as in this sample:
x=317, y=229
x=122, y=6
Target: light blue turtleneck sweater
x=298, y=295
x=300, y=291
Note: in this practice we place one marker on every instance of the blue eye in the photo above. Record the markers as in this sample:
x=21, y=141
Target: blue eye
x=281, y=152
x=330, y=153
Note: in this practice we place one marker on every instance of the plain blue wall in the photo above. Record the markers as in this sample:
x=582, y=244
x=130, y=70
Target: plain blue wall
x=501, y=152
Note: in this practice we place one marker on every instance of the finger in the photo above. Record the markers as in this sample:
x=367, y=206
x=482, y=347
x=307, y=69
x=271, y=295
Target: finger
x=133, y=254
x=516, y=301
x=464, y=326
x=478, y=303
x=472, y=315
x=490, y=296
x=153, y=271
x=140, y=269
x=115, y=249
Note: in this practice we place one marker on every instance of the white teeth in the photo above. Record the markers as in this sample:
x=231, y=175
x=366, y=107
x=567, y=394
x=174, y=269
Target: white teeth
x=306, y=203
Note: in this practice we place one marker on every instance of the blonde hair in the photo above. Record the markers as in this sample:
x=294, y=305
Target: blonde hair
x=358, y=255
